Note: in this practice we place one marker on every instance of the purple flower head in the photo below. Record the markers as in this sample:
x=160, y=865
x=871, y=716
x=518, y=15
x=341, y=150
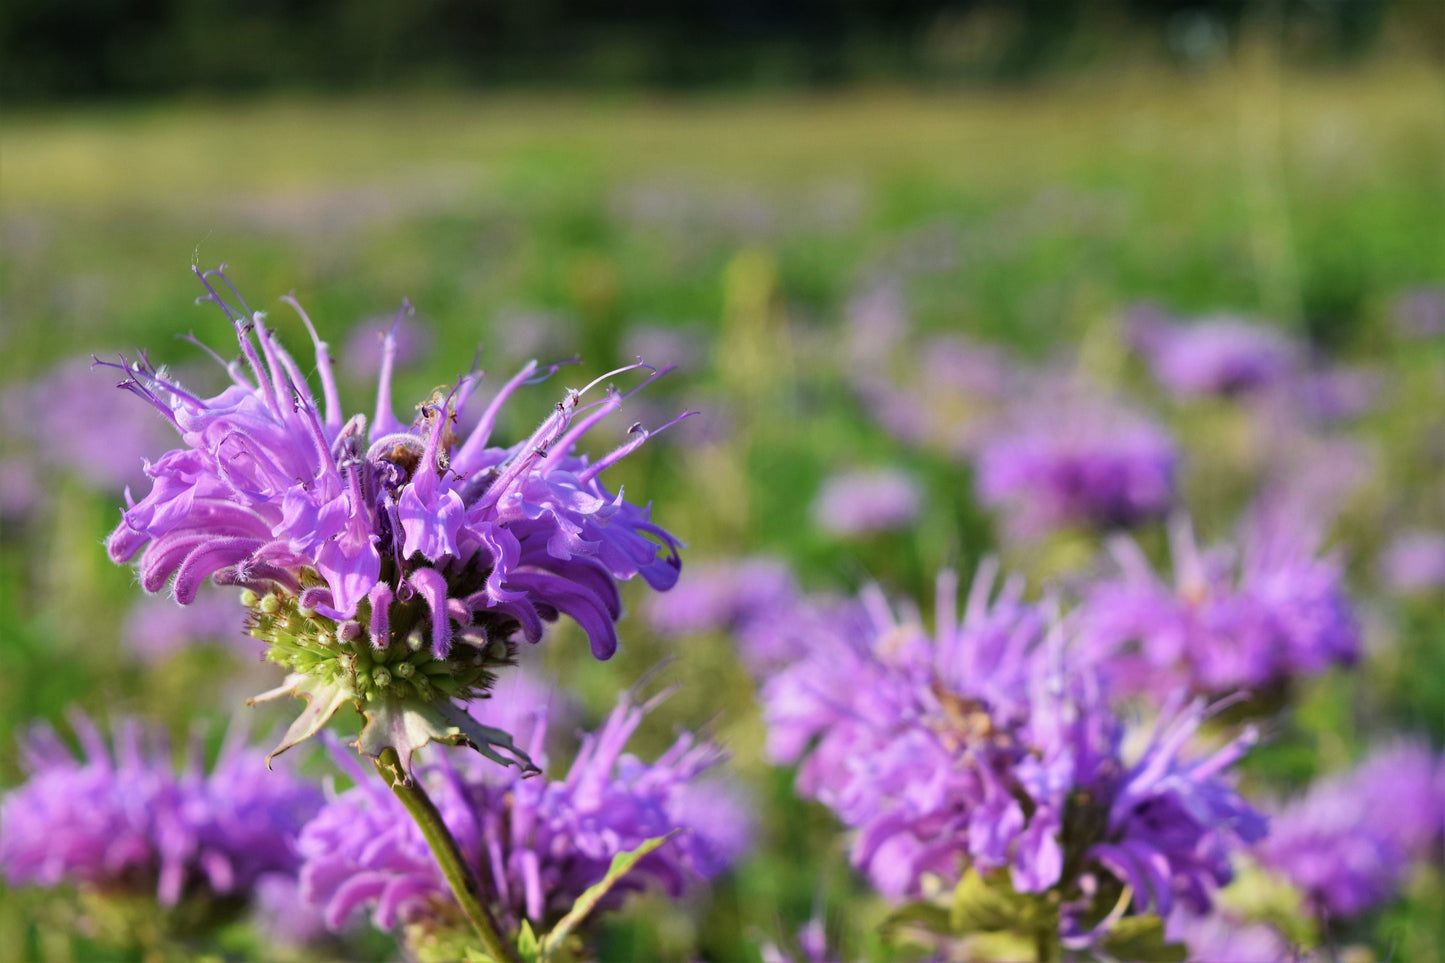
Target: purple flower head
x=877, y=322
x=1218, y=355
x=983, y=746
x=778, y=636
x=387, y=565
x=720, y=596
x=1336, y=394
x=284, y=917
x=534, y=844
x=157, y=627
x=863, y=502
x=1220, y=938
x=121, y=817
x=1225, y=624
x=945, y=399
x=1081, y=462
x=1414, y=563
x=1337, y=847
x=69, y=421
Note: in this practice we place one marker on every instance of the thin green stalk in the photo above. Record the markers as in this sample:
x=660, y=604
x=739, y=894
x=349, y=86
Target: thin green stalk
x=448, y=855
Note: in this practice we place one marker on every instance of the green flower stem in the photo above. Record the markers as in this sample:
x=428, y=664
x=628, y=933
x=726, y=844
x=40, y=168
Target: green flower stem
x=448, y=855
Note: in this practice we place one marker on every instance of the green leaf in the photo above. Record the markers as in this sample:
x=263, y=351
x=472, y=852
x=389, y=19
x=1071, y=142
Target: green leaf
x=990, y=905
x=528, y=946
x=622, y=864
x=1140, y=939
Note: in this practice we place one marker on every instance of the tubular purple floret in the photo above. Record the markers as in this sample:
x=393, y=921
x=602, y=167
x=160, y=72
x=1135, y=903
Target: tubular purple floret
x=432, y=587
x=329, y=391
x=385, y=418
x=242, y=325
x=380, y=598
x=587, y=474
x=481, y=433
x=281, y=383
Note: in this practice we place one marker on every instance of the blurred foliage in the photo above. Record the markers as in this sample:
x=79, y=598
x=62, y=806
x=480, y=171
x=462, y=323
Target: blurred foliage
x=85, y=48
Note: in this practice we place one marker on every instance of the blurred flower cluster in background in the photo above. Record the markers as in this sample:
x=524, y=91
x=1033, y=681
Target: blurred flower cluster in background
x=1061, y=510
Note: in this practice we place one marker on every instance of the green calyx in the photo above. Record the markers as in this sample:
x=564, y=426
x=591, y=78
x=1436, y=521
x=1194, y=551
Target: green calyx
x=407, y=695
x=343, y=654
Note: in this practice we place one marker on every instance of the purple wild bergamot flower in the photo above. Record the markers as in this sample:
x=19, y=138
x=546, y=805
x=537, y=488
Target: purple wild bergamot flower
x=1225, y=624
x=864, y=502
x=120, y=819
x=720, y=596
x=1076, y=462
x=85, y=435
x=385, y=564
x=1221, y=938
x=534, y=844
x=757, y=601
x=1339, y=850
x=1218, y=355
x=987, y=746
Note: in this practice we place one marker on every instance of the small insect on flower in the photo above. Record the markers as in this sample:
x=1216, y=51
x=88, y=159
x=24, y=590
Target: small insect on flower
x=388, y=565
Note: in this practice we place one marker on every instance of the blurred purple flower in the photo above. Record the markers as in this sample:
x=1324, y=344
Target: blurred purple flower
x=1219, y=938
x=1419, y=312
x=1414, y=563
x=1217, y=355
x=1336, y=394
x=124, y=818
x=1076, y=462
x=366, y=346
x=757, y=601
x=70, y=422
x=983, y=746
x=20, y=487
x=1336, y=845
x=876, y=323
x=1278, y=613
x=775, y=637
x=863, y=502
x=1310, y=475
x=721, y=596
x=364, y=530
x=945, y=398
x=157, y=627
x=534, y=844
x=283, y=915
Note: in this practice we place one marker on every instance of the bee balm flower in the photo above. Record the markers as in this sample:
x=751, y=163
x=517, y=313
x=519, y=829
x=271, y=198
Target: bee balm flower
x=121, y=819
x=535, y=844
x=387, y=565
x=986, y=745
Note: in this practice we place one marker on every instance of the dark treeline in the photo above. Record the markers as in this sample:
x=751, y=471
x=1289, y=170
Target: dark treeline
x=89, y=48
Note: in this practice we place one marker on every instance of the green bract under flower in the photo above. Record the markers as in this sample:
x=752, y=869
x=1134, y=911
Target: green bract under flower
x=397, y=683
